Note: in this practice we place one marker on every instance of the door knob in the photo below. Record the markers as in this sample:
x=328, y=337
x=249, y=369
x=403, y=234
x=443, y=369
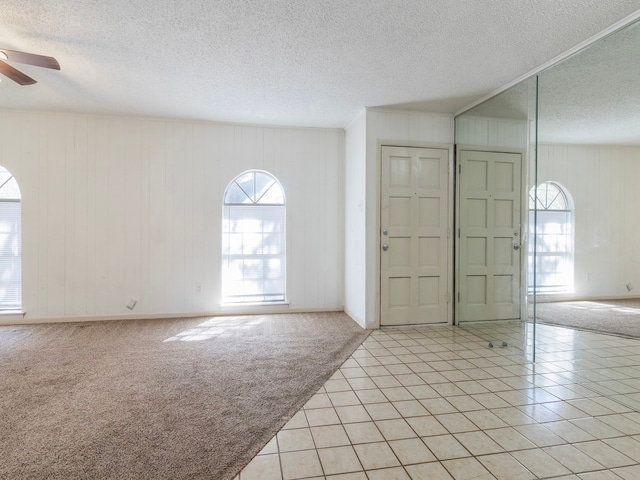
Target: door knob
x=385, y=246
x=516, y=246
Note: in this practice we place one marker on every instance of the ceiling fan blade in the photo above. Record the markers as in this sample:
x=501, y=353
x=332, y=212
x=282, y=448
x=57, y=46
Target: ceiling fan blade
x=31, y=59
x=15, y=75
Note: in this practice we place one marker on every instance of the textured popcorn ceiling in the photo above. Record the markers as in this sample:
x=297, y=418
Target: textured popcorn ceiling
x=286, y=62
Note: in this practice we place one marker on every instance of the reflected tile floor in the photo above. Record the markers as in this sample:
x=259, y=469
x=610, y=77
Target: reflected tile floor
x=438, y=403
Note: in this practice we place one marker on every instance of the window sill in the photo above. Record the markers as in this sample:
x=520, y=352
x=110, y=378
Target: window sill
x=239, y=306
x=16, y=313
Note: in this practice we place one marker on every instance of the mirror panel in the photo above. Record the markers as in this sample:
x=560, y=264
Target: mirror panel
x=578, y=123
x=493, y=154
x=588, y=164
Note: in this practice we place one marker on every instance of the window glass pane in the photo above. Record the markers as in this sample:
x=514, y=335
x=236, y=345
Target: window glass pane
x=8, y=186
x=274, y=195
x=552, y=239
x=254, y=188
x=246, y=182
x=235, y=194
x=10, y=255
x=550, y=197
x=253, y=247
x=263, y=183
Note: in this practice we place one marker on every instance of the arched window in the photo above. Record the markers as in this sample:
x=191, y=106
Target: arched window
x=10, y=243
x=253, y=240
x=554, y=239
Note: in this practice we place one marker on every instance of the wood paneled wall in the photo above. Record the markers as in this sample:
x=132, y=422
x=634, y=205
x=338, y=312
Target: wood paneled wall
x=603, y=181
x=493, y=132
x=120, y=207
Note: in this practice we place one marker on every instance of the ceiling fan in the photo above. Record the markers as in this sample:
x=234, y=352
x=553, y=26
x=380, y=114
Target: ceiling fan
x=26, y=58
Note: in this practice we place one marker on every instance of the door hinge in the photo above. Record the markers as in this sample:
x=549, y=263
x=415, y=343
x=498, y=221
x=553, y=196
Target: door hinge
x=458, y=297
x=458, y=233
x=448, y=297
x=460, y=169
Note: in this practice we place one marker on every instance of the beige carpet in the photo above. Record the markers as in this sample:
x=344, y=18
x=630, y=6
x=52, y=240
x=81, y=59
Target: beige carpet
x=158, y=399
x=617, y=317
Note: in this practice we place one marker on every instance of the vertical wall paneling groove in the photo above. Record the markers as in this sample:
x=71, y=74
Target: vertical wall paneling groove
x=189, y=283
x=296, y=224
x=313, y=224
x=70, y=172
x=157, y=147
x=170, y=186
x=57, y=220
x=118, y=137
x=101, y=213
x=175, y=220
x=76, y=212
x=131, y=178
x=89, y=275
x=144, y=206
x=200, y=250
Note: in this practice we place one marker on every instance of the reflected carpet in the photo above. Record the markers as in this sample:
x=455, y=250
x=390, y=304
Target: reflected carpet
x=617, y=317
x=162, y=399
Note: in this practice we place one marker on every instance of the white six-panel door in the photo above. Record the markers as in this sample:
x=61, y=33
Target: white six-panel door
x=415, y=213
x=489, y=195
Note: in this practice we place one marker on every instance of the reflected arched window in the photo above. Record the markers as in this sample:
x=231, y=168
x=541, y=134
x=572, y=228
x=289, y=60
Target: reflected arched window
x=552, y=238
x=10, y=243
x=253, y=240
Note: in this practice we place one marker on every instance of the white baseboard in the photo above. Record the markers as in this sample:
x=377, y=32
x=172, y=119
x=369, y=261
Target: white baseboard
x=23, y=319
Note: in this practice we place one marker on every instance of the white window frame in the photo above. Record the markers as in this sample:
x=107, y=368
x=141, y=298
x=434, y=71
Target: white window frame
x=553, y=238
x=254, y=240
x=10, y=243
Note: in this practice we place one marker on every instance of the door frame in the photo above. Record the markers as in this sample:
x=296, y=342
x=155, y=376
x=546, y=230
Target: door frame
x=524, y=217
x=449, y=147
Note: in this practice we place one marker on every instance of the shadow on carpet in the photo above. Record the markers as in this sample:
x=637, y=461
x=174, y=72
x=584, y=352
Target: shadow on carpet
x=159, y=399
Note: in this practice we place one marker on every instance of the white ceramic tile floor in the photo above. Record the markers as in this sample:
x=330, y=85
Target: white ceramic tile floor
x=438, y=403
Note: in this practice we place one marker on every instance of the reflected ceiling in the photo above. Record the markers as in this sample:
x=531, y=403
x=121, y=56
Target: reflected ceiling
x=592, y=97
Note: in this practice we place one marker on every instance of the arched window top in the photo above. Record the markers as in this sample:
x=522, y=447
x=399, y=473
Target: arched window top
x=550, y=196
x=254, y=187
x=9, y=189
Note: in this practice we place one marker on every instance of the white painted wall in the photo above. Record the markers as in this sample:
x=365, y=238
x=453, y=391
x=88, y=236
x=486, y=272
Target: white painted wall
x=355, y=263
x=603, y=181
x=391, y=127
x=116, y=207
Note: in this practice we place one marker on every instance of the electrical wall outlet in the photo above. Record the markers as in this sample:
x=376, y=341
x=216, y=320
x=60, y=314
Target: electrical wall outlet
x=629, y=287
x=132, y=303
x=198, y=288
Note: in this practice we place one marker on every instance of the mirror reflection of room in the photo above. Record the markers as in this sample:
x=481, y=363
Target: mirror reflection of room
x=579, y=127
x=588, y=162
